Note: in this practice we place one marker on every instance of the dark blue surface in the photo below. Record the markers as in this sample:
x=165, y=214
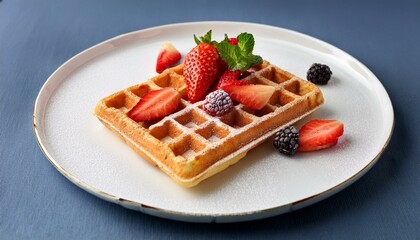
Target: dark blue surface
x=36, y=37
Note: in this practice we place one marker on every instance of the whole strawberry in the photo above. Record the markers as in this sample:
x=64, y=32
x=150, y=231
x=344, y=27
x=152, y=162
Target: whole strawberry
x=230, y=78
x=201, y=67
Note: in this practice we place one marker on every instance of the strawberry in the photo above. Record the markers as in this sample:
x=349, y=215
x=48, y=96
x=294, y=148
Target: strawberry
x=233, y=41
x=205, y=62
x=254, y=96
x=230, y=75
x=221, y=85
x=201, y=68
x=230, y=78
x=155, y=104
x=319, y=134
x=168, y=56
x=222, y=67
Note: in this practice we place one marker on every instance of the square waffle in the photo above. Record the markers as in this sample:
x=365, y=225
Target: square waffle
x=189, y=145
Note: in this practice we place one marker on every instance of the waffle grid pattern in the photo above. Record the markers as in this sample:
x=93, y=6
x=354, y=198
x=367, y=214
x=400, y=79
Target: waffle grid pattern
x=189, y=144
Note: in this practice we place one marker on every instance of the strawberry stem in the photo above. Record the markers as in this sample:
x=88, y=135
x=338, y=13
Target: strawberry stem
x=205, y=39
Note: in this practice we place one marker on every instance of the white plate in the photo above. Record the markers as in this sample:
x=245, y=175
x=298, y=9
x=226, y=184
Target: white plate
x=262, y=184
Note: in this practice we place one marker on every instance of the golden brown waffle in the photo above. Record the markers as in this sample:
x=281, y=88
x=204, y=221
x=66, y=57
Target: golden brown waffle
x=190, y=145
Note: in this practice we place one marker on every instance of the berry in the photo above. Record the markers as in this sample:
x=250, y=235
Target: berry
x=222, y=67
x=232, y=82
x=217, y=103
x=155, y=104
x=230, y=78
x=233, y=41
x=319, y=74
x=254, y=96
x=168, y=56
x=287, y=140
x=201, y=68
x=230, y=75
x=319, y=134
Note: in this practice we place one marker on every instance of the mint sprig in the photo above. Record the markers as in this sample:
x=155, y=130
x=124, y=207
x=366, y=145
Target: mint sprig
x=239, y=57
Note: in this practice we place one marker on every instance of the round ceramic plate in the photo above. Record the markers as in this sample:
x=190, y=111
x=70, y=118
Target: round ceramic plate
x=264, y=183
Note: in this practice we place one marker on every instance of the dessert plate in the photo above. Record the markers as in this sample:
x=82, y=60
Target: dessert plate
x=264, y=183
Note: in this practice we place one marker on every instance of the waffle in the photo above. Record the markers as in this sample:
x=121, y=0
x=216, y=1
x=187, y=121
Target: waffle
x=189, y=145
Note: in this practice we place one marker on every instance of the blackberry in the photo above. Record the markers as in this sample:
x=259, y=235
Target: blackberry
x=319, y=74
x=287, y=140
x=217, y=103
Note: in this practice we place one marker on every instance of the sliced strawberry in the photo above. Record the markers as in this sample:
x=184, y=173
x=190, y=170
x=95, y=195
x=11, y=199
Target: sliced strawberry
x=168, y=56
x=254, y=96
x=155, y=104
x=319, y=134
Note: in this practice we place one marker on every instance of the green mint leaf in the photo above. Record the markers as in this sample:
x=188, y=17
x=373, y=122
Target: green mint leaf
x=255, y=60
x=246, y=43
x=239, y=57
x=228, y=53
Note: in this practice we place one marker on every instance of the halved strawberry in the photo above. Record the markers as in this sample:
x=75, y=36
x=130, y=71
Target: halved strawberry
x=319, y=134
x=254, y=96
x=168, y=56
x=155, y=104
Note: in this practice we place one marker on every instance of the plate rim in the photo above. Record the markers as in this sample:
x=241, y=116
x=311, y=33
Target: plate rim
x=197, y=217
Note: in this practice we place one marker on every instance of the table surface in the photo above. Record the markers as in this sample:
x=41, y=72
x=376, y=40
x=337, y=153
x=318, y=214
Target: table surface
x=36, y=37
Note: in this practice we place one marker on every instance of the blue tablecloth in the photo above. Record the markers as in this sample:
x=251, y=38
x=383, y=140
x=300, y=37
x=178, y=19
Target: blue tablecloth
x=36, y=37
